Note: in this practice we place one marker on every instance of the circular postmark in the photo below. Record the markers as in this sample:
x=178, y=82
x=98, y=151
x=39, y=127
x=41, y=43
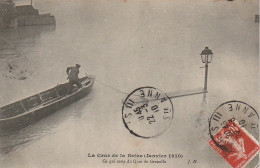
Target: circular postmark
x=244, y=114
x=147, y=112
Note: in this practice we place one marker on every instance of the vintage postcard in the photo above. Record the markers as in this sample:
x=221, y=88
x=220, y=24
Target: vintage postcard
x=129, y=83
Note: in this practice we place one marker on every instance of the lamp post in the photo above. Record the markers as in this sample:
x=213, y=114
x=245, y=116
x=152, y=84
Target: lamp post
x=206, y=58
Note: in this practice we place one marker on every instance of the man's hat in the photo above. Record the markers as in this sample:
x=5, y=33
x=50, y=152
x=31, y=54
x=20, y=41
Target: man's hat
x=77, y=65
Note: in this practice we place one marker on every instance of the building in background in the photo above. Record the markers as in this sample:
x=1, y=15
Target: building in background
x=12, y=16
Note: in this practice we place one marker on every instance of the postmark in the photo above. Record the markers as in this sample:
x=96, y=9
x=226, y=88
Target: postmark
x=147, y=112
x=244, y=114
x=233, y=128
x=234, y=144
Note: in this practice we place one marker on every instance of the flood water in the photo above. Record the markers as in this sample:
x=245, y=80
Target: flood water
x=126, y=45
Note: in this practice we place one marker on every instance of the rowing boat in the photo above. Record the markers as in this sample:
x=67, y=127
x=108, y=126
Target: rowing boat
x=20, y=114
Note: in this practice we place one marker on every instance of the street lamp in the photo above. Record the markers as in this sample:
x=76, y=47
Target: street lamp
x=206, y=58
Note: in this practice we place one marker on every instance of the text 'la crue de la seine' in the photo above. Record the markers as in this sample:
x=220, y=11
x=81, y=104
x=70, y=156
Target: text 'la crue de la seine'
x=137, y=155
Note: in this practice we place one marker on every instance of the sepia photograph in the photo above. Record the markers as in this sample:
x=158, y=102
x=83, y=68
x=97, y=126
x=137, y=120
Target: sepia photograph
x=129, y=83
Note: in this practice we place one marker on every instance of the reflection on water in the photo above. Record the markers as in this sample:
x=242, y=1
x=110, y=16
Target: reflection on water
x=15, y=45
x=13, y=41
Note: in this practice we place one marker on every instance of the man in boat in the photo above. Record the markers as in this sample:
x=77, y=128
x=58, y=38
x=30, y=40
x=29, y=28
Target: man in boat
x=73, y=77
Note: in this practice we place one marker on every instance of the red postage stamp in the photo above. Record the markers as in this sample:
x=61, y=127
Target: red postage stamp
x=235, y=145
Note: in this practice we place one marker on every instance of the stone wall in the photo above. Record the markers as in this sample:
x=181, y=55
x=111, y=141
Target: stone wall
x=35, y=20
x=26, y=10
x=12, y=16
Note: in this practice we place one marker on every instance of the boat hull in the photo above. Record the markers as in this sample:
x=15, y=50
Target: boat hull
x=20, y=121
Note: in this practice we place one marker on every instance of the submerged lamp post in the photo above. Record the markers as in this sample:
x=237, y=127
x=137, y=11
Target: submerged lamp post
x=206, y=58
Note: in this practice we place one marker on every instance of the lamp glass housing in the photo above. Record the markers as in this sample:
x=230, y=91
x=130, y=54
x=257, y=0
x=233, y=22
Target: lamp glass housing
x=206, y=58
x=206, y=55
